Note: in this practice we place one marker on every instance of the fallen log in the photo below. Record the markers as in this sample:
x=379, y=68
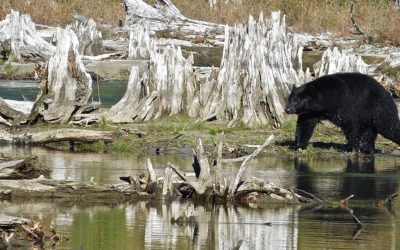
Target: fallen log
x=65, y=190
x=26, y=168
x=164, y=16
x=57, y=135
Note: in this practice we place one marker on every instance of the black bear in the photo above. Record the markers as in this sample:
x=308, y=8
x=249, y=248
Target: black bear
x=355, y=102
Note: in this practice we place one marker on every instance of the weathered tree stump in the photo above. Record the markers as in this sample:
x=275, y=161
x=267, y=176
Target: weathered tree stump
x=90, y=39
x=19, y=39
x=140, y=43
x=334, y=61
x=260, y=65
x=68, y=86
x=167, y=89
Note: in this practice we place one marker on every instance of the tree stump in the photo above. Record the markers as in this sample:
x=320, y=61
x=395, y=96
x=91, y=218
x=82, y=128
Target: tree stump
x=68, y=86
x=90, y=39
x=334, y=61
x=19, y=39
x=260, y=65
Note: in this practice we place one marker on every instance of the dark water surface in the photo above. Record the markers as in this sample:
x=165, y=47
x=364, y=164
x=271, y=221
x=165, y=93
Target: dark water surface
x=147, y=224
x=110, y=91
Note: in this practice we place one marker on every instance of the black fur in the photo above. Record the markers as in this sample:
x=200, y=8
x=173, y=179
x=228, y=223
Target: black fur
x=355, y=102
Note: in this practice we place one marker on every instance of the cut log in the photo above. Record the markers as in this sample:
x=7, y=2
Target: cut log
x=68, y=86
x=260, y=65
x=334, y=61
x=90, y=39
x=57, y=135
x=164, y=16
x=19, y=39
x=26, y=168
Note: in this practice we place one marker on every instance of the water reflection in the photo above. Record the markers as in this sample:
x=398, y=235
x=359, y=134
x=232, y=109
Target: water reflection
x=358, y=178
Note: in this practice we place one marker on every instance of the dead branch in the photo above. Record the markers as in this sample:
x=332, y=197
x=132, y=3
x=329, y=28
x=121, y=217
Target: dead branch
x=353, y=21
x=244, y=164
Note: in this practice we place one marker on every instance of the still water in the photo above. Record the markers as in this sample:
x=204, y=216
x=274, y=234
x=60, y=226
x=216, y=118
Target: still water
x=109, y=92
x=147, y=224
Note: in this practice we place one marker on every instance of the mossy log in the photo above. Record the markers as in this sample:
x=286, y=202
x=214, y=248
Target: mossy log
x=19, y=39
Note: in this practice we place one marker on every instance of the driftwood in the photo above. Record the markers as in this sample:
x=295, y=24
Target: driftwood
x=19, y=38
x=68, y=86
x=26, y=168
x=334, y=61
x=207, y=183
x=57, y=135
x=63, y=189
x=165, y=17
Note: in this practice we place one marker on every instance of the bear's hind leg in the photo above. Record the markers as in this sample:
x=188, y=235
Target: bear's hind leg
x=352, y=133
x=304, y=130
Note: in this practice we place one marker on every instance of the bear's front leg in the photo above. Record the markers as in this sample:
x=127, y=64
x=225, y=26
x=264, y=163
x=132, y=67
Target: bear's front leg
x=304, y=130
x=367, y=141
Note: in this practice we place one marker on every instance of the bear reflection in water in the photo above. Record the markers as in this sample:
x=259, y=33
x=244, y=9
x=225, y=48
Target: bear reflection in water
x=359, y=178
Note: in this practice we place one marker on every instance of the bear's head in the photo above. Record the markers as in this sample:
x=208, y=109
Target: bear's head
x=304, y=99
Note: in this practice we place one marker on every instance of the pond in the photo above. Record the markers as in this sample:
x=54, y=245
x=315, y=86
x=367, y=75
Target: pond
x=147, y=224
x=110, y=92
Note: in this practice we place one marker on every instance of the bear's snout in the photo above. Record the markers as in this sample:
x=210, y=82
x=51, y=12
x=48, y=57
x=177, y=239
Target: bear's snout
x=290, y=110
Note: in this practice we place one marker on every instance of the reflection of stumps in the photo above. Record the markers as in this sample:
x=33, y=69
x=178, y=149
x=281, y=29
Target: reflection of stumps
x=68, y=85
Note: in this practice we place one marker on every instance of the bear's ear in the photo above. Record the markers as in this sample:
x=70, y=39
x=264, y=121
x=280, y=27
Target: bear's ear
x=293, y=87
